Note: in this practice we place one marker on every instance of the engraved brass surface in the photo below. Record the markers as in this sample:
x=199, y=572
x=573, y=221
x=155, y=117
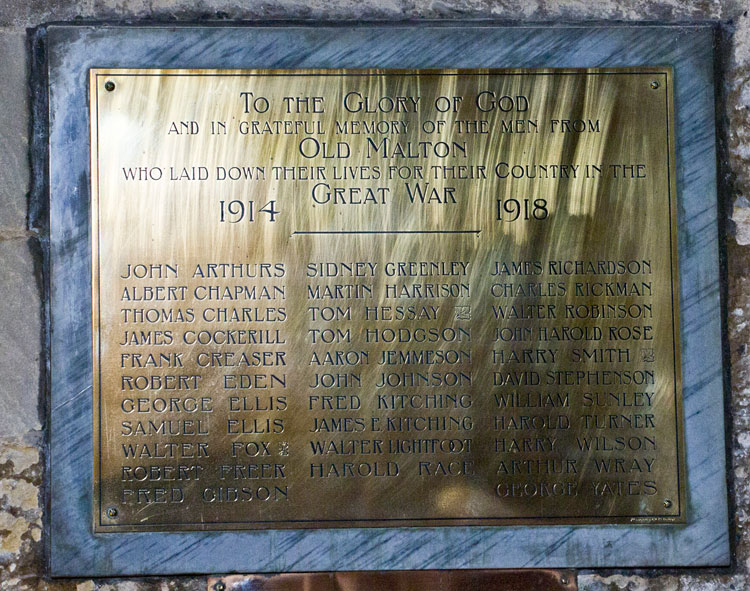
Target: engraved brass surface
x=332, y=298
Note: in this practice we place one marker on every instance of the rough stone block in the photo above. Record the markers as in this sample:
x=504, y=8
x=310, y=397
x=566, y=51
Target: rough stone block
x=20, y=342
x=14, y=165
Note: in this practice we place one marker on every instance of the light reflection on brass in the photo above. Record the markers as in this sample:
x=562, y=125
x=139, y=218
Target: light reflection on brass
x=262, y=241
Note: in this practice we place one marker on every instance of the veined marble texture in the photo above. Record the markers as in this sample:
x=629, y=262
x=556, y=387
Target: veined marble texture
x=76, y=551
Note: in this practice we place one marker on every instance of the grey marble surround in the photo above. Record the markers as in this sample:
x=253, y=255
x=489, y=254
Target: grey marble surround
x=76, y=551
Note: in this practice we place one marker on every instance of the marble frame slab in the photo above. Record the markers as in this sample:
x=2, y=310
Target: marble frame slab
x=72, y=49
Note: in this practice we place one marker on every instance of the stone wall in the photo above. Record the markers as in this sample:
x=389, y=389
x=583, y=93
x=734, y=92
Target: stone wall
x=22, y=372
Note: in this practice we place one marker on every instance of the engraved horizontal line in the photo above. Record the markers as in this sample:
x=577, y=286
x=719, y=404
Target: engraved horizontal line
x=386, y=232
x=590, y=519
x=394, y=72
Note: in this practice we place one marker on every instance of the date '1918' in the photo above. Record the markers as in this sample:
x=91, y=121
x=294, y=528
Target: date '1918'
x=510, y=210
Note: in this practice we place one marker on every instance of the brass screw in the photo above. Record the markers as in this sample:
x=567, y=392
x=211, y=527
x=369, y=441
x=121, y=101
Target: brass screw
x=109, y=86
x=667, y=503
x=654, y=84
x=220, y=586
x=111, y=512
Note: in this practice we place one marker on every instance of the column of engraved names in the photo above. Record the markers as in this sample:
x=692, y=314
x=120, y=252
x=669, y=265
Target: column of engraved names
x=574, y=379
x=164, y=408
x=202, y=355
x=339, y=446
x=247, y=312
x=389, y=394
x=422, y=399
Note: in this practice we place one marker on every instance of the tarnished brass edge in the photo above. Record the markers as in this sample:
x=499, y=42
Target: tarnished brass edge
x=96, y=516
x=677, y=338
x=420, y=523
x=357, y=71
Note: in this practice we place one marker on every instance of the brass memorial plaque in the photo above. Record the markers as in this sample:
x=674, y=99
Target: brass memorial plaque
x=346, y=298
